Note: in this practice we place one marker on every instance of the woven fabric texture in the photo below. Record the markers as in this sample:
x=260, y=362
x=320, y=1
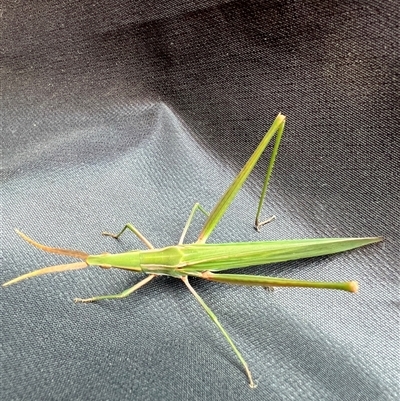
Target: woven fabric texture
x=132, y=111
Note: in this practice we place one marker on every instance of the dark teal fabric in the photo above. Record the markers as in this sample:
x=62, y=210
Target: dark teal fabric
x=132, y=111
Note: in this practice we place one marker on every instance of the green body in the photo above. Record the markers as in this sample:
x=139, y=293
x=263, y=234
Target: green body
x=187, y=260
x=203, y=260
x=200, y=260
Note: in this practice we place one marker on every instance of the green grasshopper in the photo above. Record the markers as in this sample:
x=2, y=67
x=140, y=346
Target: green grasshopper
x=203, y=260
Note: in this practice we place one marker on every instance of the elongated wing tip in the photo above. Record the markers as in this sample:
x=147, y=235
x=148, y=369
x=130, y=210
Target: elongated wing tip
x=374, y=239
x=369, y=240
